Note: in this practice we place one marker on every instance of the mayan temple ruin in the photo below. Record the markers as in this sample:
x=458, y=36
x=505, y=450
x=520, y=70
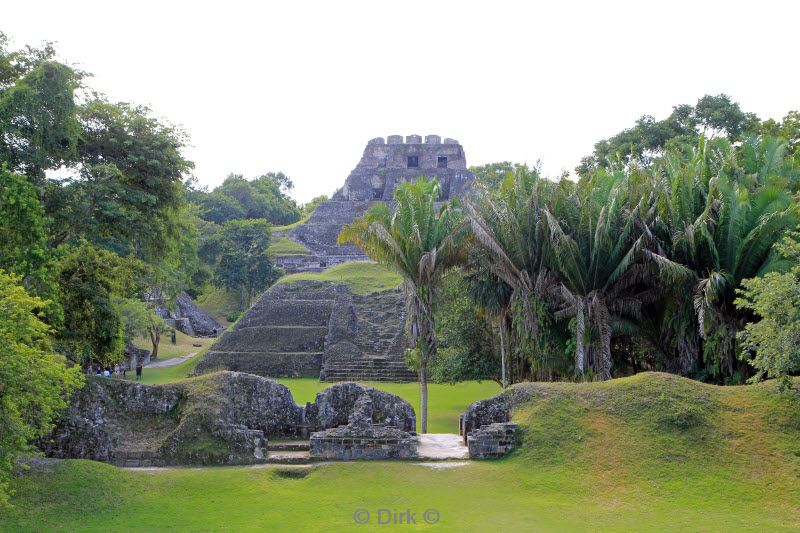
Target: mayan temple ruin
x=322, y=329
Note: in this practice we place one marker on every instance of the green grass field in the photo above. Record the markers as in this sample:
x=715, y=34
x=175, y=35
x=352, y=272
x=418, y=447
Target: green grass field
x=363, y=277
x=647, y=453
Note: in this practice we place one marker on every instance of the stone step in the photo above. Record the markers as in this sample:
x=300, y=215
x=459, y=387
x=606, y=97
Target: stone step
x=287, y=445
x=288, y=457
x=400, y=378
x=367, y=366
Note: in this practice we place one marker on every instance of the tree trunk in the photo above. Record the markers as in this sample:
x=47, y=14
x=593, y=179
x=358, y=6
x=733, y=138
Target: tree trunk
x=155, y=339
x=580, y=333
x=502, y=351
x=423, y=397
x=604, y=329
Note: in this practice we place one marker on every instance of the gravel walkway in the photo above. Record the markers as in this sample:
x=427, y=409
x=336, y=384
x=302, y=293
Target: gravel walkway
x=171, y=362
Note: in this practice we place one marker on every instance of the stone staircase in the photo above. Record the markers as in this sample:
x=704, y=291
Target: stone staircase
x=381, y=339
x=282, y=335
x=317, y=329
x=288, y=452
x=370, y=368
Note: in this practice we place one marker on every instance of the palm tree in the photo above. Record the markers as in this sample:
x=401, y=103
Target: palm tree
x=507, y=221
x=421, y=241
x=722, y=210
x=583, y=249
x=605, y=264
x=493, y=295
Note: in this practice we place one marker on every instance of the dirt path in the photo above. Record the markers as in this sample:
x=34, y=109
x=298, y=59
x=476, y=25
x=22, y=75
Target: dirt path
x=171, y=362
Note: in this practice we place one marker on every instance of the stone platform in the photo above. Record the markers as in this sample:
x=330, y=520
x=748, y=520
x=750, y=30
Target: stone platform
x=317, y=329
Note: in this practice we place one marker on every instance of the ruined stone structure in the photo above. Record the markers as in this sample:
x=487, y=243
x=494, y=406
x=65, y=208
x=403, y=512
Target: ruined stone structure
x=362, y=438
x=384, y=164
x=186, y=317
x=317, y=329
x=223, y=418
x=324, y=330
x=491, y=440
x=486, y=427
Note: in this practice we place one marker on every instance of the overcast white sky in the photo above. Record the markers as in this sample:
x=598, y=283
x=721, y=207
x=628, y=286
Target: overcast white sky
x=301, y=86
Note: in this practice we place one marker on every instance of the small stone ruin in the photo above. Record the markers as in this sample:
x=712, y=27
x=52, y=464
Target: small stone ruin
x=363, y=439
x=491, y=440
x=486, y=427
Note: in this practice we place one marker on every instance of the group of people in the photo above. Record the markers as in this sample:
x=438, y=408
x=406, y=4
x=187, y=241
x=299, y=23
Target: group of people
x=119, y=370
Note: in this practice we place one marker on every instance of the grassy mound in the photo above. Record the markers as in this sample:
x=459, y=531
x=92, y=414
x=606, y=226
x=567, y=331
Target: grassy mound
x=648, y=453
x=363, y=277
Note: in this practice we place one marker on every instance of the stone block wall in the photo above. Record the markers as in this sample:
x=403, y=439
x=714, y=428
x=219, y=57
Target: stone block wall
x=349, y=443
x=361, y=437
x=491, y=440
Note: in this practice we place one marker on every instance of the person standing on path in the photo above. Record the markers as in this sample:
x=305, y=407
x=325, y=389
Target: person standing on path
x=138, y=369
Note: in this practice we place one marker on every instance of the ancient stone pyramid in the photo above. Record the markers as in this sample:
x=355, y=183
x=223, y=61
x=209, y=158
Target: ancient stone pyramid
x=321, y=329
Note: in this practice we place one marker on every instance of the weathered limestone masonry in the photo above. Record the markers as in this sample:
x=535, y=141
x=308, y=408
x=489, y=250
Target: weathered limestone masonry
x=317, y=329
x=384, y=164
x=492, y=440
x=223, y=418
x=282, y=335
x=186, y=317
x=361, y=438
x=486, y=427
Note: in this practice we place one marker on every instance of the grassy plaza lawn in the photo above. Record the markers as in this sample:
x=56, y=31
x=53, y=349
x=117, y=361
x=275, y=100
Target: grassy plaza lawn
x=646, y=453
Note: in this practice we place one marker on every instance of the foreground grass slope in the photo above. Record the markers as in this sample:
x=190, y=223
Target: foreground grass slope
x=648, y=453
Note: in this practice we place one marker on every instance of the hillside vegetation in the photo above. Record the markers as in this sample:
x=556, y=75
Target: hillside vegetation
x=652, y=452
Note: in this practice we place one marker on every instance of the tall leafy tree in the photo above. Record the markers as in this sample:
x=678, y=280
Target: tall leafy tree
x=128, y=190
x=89, y=279
x=421, y=241
x=647, y=140
x=35, y=383
x=140, y=320
x=37, y=110
x=24, y=248
x=774, y=339
x=245, y=266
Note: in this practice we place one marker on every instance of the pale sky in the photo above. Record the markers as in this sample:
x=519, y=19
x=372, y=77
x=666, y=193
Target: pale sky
x=301, y=87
